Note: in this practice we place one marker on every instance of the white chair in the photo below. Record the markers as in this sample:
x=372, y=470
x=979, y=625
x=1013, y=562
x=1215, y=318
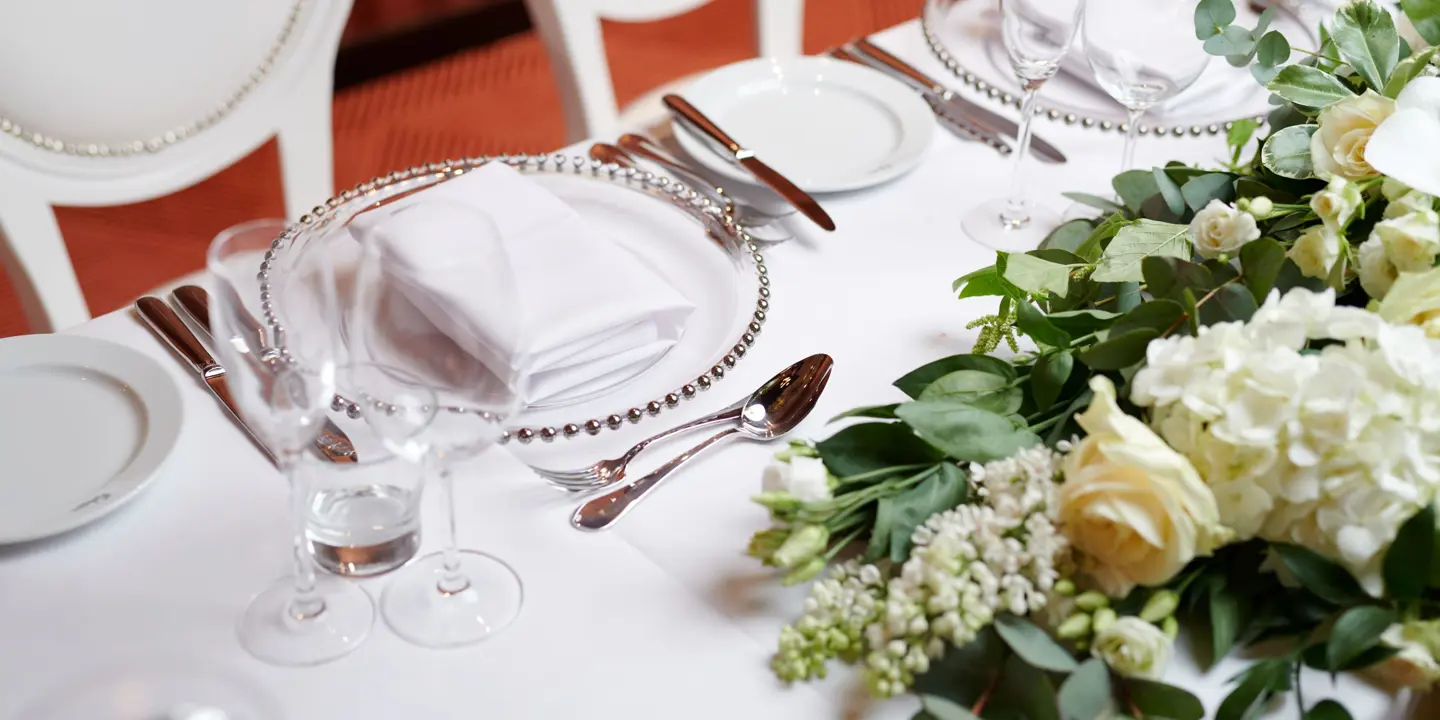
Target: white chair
x=571, y=32
x=108, y=103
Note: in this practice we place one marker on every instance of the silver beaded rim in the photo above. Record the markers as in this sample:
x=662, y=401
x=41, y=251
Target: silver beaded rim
x=716, y=218
x=991, y=92
x=164, y=140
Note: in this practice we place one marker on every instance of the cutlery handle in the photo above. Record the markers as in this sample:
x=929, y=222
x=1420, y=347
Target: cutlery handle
x=729, y=413
x=170, y=328
x=194, y=300
x=898, y=65
x=691, y=113
x=603, y=511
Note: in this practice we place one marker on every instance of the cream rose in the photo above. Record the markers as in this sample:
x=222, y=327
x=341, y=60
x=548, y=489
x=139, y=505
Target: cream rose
x=1337, y=203
x=1415, y=665
x=804, y=477
x=1376, y=271
x=1137, y=510
x=1338, y=146
x=1316, y=251
x=1221, y=229
x=1414, y=299
x=1134, y=648
x=1409, y=202
x=1411, y=241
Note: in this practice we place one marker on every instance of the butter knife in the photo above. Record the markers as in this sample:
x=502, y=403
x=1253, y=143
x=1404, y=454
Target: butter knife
x=945, y=101
x=956, y=124
x=168, y=326
x=332, y=442
x=746, y=159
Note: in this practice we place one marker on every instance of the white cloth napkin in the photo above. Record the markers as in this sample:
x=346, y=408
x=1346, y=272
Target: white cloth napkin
x=579, y=311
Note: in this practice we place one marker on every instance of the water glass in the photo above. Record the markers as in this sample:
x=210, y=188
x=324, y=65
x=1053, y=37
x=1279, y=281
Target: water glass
x=364, y=517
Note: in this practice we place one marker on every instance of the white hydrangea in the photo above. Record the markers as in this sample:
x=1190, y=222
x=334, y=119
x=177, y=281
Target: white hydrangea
x=1331, y=449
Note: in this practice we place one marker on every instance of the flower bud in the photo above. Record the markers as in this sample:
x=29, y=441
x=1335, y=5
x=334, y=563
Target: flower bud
x=1104, y=618
x=1161, y=605
x=1171, y=627
x=1260, y=207
x=1082, y=645
x=763, y=544
x=783, y=456
x=806, y=571
x=778, y=502
x=804, y=543
x=1092, y=600
x=1075, y=626
x=802, y=448
x=1064, y=587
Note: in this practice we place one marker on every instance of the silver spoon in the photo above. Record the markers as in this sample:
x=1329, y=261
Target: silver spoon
x=771, y=411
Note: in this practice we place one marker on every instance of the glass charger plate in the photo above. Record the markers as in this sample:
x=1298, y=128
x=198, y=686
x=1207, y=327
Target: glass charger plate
x=965, y=35
x=681, y=235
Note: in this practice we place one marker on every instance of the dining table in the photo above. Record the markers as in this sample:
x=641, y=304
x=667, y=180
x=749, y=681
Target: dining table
x=663, y=615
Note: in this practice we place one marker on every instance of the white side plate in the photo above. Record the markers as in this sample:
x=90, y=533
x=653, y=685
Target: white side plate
x=827, y=125
x=86, y=425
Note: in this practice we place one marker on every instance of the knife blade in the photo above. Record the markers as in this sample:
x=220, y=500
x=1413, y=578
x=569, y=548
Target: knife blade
x=942, y=99
x=168, y=327
x=739, y=155
x=334, y=445
x=956, y=124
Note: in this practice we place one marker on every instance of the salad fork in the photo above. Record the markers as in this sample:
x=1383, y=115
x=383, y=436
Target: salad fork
x=608, y=472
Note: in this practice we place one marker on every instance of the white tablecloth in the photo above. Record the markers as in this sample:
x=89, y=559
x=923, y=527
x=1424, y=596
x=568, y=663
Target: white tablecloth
x=661, y=617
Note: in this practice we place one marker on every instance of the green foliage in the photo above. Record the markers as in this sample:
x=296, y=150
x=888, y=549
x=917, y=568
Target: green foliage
x=1156, y=699
x=1425, y=16
x=1308, y=86
x=1357, y=630
x=1364, y=33
x=868, y=447
x=1321, y=576
x=964, y=432
x=1035, y=645
x=1035, y=275
x=1287, y=152
x=944, y=486
x=914, y=382
x=1257, y=685
x=1411, y=558
x=1086, y=694
x=1122, y=259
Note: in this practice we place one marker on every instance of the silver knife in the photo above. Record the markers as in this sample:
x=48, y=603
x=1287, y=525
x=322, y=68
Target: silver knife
x=946, y=102
x=168, y=326
x=332, y=442
x=739, y=155
x=956, y=124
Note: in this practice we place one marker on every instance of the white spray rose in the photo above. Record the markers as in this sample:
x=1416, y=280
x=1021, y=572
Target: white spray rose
x=1316, y=251
x=1414, y=299
x=1134, y=648
x=1411, y=241
x=804, y=477
x=1338, y=147
x=1406, y=203
x=1221, y=229
x=1376, y=271
x=1337, y=203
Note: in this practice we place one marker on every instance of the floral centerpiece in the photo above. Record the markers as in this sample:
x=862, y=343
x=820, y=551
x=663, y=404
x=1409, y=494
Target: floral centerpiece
x=1230, y=422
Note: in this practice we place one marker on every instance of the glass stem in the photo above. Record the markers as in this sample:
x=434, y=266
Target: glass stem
x=451, y=579
x=1132, y=131
x=1016, y=214
x=307, y=604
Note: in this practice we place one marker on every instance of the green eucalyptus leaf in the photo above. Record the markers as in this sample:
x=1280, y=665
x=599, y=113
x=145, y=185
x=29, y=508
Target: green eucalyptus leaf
x=1094, y=201
x=1355, y=632
x=964, y=432
x=880, y=412
x=1086, y=694
x=1328, y=710
x=1121, y=261
x=1027, y=689
x=1169, y=191
x=1260, y=261
x=939, y=708
x=1264, y=74
x=871, y=446
x=1135, y=187
x=1273, y=49
x=1232, y=303
x=1032, y=322
x=1365, y=35
x=1287, y=152
x=914, y=382
x=1120, y=352
x=1034, y=645
x=1199, y=191
x=1409, y=560
x=1425, y=16
x=1321, y=576
x=1232, y=41
x=1308, y=86
x=1037, y=276
x=1082, y=322
x=1212, y=16
x=1069, y=236
x=1158, y=700
x=1047, y=378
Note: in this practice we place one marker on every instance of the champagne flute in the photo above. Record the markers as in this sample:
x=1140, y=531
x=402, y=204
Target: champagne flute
x=303, y=619
x=1037, y=35
x=1143, y=53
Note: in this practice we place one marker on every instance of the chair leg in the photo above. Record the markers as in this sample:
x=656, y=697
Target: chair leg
x=39, y=266
x=307, y=156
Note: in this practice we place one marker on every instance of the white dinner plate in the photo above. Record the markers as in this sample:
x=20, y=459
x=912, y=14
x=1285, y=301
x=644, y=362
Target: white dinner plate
x=86, y=423
x=827, y=125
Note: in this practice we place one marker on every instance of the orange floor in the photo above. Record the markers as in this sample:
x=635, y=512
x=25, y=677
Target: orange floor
x=491, y=100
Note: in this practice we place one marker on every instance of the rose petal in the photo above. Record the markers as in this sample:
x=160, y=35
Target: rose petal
x=1407, y=147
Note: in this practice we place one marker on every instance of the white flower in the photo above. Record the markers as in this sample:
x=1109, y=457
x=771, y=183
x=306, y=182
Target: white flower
x=1316, y=251
x=1415, y=666
x=1406, y=146
x=1339, y=146
x=1337, y=203
x=804, y=477
x=1134, y=648
x=1414, y=299
x=1409, y=202
x=1411, y=241
x=1376, y=271
x=1221, y=229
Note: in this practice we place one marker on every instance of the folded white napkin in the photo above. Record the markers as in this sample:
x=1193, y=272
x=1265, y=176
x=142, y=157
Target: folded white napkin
x=577, y=311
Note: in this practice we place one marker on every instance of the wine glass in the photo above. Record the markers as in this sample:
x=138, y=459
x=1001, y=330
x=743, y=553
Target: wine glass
x=304, y=619
x=1143, y=53
x=1037, y=35
x=453, y=597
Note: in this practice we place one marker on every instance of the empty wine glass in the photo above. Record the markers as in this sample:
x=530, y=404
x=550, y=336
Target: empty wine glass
x=1143, y=53
x=1037, y=34
x=304, y=619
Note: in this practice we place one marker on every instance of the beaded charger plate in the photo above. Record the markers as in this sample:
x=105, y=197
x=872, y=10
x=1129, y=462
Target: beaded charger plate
x=688, y=240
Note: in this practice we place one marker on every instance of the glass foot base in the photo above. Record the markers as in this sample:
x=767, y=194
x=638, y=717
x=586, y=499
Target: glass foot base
x=270, y=630
x=986, y=225
x=420, y=608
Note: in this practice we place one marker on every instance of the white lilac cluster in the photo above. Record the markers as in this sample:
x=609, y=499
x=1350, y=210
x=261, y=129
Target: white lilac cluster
x=969, y=564
x=839, y=608
x=1330, y=448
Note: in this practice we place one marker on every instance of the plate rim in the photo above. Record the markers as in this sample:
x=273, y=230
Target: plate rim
x=158, y=394
x=916, y=118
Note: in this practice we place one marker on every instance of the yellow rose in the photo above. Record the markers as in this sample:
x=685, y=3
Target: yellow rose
x=1135, y=508
x=1414, y=299
x=1316, y=251
x=1338, y=147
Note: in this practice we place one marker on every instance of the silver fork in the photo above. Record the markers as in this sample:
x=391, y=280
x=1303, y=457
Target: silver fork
x=608, y=472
